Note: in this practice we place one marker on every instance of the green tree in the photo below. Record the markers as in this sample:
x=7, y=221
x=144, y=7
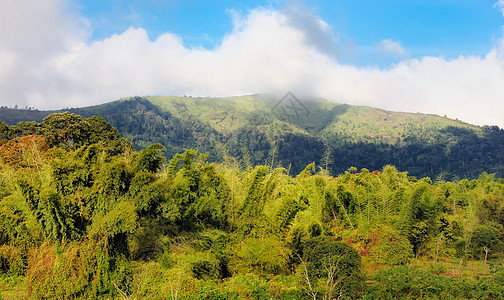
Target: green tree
x=5, y=133
x=486, y=239
x=150, y=159
x=331, y=268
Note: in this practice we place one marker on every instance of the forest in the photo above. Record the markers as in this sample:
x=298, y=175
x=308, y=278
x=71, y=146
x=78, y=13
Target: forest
x=83, y=215
x=357, y=136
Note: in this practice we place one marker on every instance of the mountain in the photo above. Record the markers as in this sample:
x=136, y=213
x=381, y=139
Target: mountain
x=296, y=132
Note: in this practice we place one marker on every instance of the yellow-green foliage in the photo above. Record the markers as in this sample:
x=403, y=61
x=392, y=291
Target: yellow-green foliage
x=120, y=219
x=426, y=145
x=263, y=255
x=390, y=248
x=99, y=220
x=11, y=261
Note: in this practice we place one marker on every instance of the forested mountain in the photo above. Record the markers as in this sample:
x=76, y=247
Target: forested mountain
x=85, y=216
x=294, y=133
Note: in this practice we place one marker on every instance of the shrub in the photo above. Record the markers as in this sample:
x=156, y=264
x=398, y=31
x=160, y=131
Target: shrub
x=11, y=261
x=391, y=248
x=334, y=265
x=266, y=255
x=485, y=237
x=400, y=282
x=75, y=270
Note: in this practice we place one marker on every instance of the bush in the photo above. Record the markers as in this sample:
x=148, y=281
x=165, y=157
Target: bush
x=408, y=282
x=391, y=248
x=266, y=255
x=485, y=237
x=336, y=265
x=75, y=270
x=252, y=286
x=11, y=261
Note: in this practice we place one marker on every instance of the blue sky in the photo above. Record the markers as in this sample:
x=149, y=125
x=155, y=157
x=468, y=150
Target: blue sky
x=446, y=28
x=443, y=57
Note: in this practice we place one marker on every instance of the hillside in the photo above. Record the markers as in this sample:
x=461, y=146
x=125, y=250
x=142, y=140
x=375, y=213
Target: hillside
x=276, y=133
x=85, y=216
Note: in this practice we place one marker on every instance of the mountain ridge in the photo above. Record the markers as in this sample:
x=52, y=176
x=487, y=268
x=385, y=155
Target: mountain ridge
x=355, y=136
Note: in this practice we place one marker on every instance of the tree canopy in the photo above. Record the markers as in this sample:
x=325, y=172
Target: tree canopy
x=83, y=215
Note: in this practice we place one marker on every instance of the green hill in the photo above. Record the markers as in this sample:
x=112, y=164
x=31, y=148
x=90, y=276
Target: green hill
x=293, y=133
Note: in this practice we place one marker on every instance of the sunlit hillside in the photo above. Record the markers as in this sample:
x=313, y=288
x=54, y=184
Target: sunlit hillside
x=299, y=132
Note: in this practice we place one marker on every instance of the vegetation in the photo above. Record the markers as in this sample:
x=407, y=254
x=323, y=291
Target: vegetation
x=353, y=136
x=84, y=215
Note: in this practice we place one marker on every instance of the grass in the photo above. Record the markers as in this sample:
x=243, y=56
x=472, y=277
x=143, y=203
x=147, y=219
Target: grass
x=153, y=280
x=450, y=267
x=12, y=287
x=333, y=122
x=226, y=115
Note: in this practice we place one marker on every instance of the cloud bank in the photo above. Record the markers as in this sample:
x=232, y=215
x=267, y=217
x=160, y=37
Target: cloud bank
x=500, y=4
x=48, y=62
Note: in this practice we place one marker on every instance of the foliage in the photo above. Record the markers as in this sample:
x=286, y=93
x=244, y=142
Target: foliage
x=332, y=268
x=25, y=151
x=339, y=136
x=267, y=255
x=86, y=216
x=486, y=238
x=412, y=283
x=390, y=247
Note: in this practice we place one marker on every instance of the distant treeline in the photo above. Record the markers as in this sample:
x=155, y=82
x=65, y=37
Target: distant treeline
x=436, y=150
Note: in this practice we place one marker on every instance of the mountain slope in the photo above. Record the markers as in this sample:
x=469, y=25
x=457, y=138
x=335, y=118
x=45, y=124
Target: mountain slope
x=295, y=132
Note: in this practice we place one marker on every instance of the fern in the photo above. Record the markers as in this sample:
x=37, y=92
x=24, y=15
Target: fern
x=327, y=159
x=246, y=159
x=270, y=161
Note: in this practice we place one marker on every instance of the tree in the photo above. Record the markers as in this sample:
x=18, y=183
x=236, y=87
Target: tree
x=5, y=133
x=331, y=268
x=198, y=194
x=264, y=255
x=61, y=128
x=100, y=130
x=390, y=247
x=150, y=159
x=67, y=130
x=486, y=239
x=25, y=151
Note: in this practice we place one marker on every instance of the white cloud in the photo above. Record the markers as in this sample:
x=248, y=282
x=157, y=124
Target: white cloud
x=268, y=50
x=316, y=32
x=33, y=35
x=500, y=4
x=468, y=88
x=391, y=47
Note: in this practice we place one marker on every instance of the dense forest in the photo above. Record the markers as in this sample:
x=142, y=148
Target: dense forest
x=84, y=215
x=361, y=137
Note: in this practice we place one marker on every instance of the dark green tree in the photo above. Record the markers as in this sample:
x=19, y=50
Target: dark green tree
x=332, y=268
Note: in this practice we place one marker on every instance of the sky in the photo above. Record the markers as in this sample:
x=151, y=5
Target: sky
x=443, y=57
